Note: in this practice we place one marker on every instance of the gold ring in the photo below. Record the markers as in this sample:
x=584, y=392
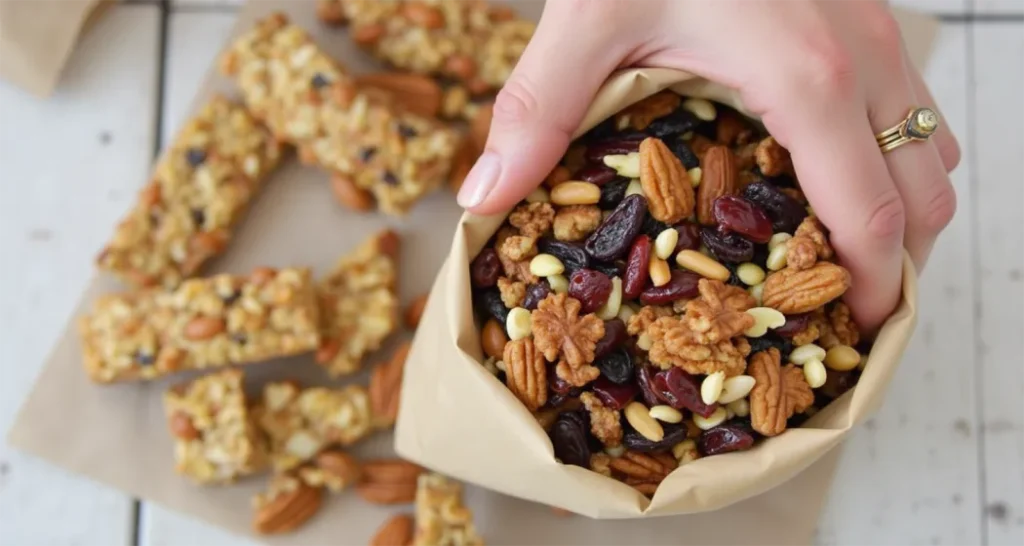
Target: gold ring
x=919, y=124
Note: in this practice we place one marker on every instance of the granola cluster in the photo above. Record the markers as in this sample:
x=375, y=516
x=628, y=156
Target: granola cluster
x=666, y=295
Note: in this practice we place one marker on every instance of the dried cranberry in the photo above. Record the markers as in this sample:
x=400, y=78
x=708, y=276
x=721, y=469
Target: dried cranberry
x=771, y=340
x=617, y=366
x=681, y=390
x=684, y=153
x=612, y=193
x=490, y=304
x=653, y=227
x=612, y=238
x=736, y=214
x=614, y=335
x=645, y=380
x=596, y=173
x=724, y=438
x=613, y=395
x=615, y=146
x=485, y=269
x=591, y=287
x=569, y=438
x=728, y=247
x=556, y=384
x=794, y=325
x=637, y=266
x=682, y=284
x=613, y=269
x=689, y=236
x=535, y=293
x=674, y=433
x=785, y=212
x=571, y=255
x=678, y=122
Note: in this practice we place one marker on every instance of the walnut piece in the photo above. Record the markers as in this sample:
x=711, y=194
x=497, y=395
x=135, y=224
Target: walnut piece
x=792, y=291
x=643, y=318
x=808, y=245
x=574, y=223
x=719, y=313
x=639, y=115
x=576, y=377
x=673, y=345
x=643, y=471
x=839, y=328
x=604, y=422
x=514, y=253
x=601, y=463
x=779, y=392
x=801, y=253
x=665, y=182
x=772, y=158
x=526, y=373
x=532, y=219
x=731, y=129
x=512, y=292
x=562, y=335
x=815, y=328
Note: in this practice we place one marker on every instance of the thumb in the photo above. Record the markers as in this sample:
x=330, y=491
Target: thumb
x=537, y=111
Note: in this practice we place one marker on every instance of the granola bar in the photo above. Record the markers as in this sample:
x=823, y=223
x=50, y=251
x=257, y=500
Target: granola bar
x=215, y=439
x=203, y=323
x=441, y=517
x=200, y=188
x=299, y=423
x=358, y=304
x=309, y=100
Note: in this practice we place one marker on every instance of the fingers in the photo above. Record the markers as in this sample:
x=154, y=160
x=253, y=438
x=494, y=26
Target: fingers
x=540, y=106
x=943, y=139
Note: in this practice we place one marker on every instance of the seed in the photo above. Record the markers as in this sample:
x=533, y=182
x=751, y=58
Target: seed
x=712, y=421
x=729, y=414
x=538, y=195
x=627, y=165
x=519, y=324
x=711, y=387
x=665, y=243
x=546, y=265
x=634, y=188
x=611, y=306
x=842, y=358
x=641, y=420
x=500, y=365
x=757, y=291
x=644, y=342
x=764, y=318
x=685, y=451
x=735, y=388
x=740, y=408
x=666, y=414
x=750, y=273
x=615, y=451
x=558, y=283
x=814, y=373
x=696, y=175
x=777, y=240
x=658, y=268
x=777, y=257
x=575, y=193
x=701, y=108
x=803, y=353
x=626, y=312
x=702, y=265
x=491, y=366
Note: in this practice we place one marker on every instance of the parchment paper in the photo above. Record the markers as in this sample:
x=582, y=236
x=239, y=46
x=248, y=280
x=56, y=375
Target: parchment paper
x=116, y=435
x=38, y=36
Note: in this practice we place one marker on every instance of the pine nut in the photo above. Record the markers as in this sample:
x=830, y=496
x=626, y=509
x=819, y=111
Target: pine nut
x=660, y=274
x=634, y=188
x=665, y=243
x=546, y=265
x=777, y=239
x=490, y=364
x=702, y=265
x=642, y=422
x=644, y=342
x=666, y=414
x=538, y=195
x=500, y=366
x=764, y=318
x=701, y=108
x=757, y=291
x=712, y=421
x=750, y=273
x=777, y=257
x=696, y=174
x=814, y=373
x=741, y=408
x=685, y=451
x=611, y=307
x=519, y=324
x=842, y=358
x=615, y=451
x=803, y=353
x=558, y=283
x=626, y=312
x=627, y=165
x=735, y=388
x=729, y=414
x=575, y=193
x=711, y=387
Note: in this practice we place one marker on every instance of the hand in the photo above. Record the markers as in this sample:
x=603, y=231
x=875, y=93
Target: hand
x=824, y=77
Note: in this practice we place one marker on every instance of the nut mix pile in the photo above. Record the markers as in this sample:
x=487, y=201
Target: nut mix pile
x=666, y=295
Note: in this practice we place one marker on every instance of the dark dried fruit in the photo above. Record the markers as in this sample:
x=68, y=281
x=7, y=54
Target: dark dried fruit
x=615, y=146
x=614, y=335
x=198, y=217
x=653, y=227
x=596, y=173
x=681, y=390
x=617, y=366
x=485, y=269
x=601, y=131
x=571, y=255
x=366, y=154
x=144, y=359
x=569, y=438
x=675, y=124
x=591, y=288
x=794, y=325
x=770, y=340
x=406, y=131
x=689, y=236
x=785, y=212
x=613, y=269
x=724, y=438
x=612, y=193
x=738, y=215
x=674, y=433
x=682, y=150
x=490, y=304
x=836, y=383
x=195, y=156
x=682, y=284
x=613, y=237
x=637, y=267
x=613, y=395
x=389, y=178
x=728, y=247
x=645, y=380
x=319, y=80
x=535, y=293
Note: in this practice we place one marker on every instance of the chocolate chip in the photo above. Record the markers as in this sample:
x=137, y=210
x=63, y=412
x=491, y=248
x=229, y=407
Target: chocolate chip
x=231, y=298
x=406, y=131
x=239, y=338
x=390, y=178
x=198, y=217
x=319, y=80
x=195, y=156
x=144, y=359
x=366, y=154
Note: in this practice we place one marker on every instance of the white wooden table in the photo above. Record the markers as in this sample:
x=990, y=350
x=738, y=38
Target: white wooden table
x=942, y=463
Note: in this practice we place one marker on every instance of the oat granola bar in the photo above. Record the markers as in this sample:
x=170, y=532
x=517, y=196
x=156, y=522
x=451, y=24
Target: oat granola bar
x=215, y=439
x=203, y=323
x=309, y=100
x=201, y=187
x=441, y=517
x=300, y=423
x=358, y=304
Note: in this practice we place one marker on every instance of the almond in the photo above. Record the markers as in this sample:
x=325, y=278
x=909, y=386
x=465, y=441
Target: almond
x=719, y=178
x=288, y=509
x=423, y=15
x=339, y=464
x=389, y=481
x=460, y=66
x=350, y=195
x=367, y=34
x=330, y=12
x=385, y=387
x=329, y=348
x=181, y=426
x=792, y=291
x=262, y=275
x=418, y=94
x=414, y=312
x=396, y=531
x=201, y=328
x=665, y=182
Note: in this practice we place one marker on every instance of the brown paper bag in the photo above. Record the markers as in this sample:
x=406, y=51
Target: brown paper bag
x=38, y=36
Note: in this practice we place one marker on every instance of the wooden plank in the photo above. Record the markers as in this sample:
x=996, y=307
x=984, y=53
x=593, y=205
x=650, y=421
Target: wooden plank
x=999, y=250
x=70, y=165
x=999, y=7
x=910, y=475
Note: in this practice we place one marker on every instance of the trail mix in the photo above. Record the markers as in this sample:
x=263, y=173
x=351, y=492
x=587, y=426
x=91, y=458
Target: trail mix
x=666, y=295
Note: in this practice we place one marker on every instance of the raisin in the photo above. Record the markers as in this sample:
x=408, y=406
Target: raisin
x=682, y=284
x=645, y=380
x=837, y=383
x=614, y=146
x=637, y=267
x=240, y=338
x=681, y=390
x=736, y=214
x=771, y=340
x=599, y=132
x=794, y=325
x=535, y=293
x=617, y=366
x=232, y=297
x=613, y=395
x=611, y=240
x=684, y=153
x=674, y=433
x=144, y=359
x=728, y=247
x=613, y=269
x=596, y=173
x=785, y=212
x=612, y=193
x=678, y=122
x=689, y=236
x=569, y=438
x=614, y=335
x=366, y=154
x=319, y=80
x=724, y=438
x=653, y=227
x=571, y=255
x=195, y=156
x=406, y=131
x=591, y=287
x=490, y=304
x=198, y=217
x=389, y=178
x=485, y=269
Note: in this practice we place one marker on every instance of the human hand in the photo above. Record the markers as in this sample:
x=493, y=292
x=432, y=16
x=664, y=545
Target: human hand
x=824, y=77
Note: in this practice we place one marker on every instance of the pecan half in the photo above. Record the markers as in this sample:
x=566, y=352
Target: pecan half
x=793, y=291
x=561, y=334
x=389, y=481
x=719, y=178
x=779, y=392
x=643, y=471
x=526, y=373
x=639, y=115
x=665, y=182
x=605, y=423
x=386, y=388
x=287, y=504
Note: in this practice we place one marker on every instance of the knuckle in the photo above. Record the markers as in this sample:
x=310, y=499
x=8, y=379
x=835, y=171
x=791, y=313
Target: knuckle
x=884, y=32
x=887, y=217
x=829, y=69
x=939, y=209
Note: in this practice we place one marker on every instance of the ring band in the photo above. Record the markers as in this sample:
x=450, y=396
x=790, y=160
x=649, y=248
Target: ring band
x=919, y=124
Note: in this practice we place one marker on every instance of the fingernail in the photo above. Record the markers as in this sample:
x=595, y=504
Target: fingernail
x=480, y=180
